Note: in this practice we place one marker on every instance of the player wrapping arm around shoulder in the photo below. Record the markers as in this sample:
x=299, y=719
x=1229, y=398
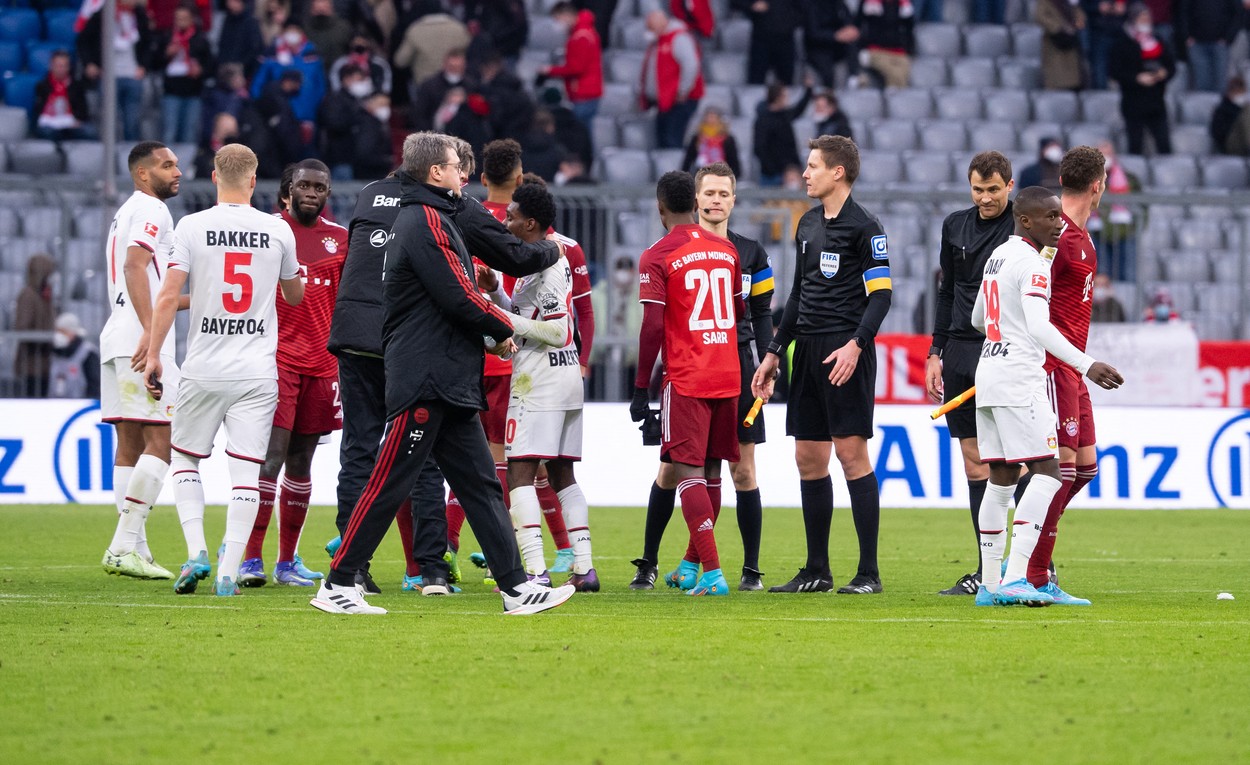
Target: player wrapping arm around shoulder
x=1015, y=423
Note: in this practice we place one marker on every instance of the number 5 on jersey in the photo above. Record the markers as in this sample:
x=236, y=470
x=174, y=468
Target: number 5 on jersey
x=233, y=276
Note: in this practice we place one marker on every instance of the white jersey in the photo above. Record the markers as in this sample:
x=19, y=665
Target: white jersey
x=234, y=256
x=1010, y=370
x=546, y=378
x=143, y=221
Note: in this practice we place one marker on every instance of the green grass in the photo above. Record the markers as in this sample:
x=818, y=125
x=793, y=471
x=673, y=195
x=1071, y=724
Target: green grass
x=97, y=669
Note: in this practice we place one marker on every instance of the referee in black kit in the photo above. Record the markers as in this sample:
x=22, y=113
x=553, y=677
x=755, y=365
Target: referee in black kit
x=840, y=296
x=968, y=238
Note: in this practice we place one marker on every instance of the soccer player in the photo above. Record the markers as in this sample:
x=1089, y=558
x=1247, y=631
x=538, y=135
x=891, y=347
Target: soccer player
x=544, y=424
x=309, y=405
x=138, y=247
x=840, y=296
x=715, y=187
x=235, y=259
x=689, y=284
x=1082, y=178
x=968, y=238
x=436, y=323
x=1015, y=422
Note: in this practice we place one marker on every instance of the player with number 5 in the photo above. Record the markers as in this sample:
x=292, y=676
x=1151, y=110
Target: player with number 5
x=235, y=258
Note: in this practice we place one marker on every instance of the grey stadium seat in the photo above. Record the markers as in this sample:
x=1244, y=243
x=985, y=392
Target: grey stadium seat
x=664, y=160
x=603, y=131
x=1101, y=106
x=42, y=221
x=1220, y=297
x=624, y=66
x=1196, y=107
x=984, y=136
x=9, y=224
x=804, y=130
x=545, y=34
x=88, y=222
x=631, y=167
x=1034, y=132
x=974, y=73
x=618, y=99
x=941, y=40
x=637, y=132
x=1056, y=106
x=630, y=34
x=892, y=135
x=957, y=104
x=908, y=104
x=1182, y=294
x=1187, y=267
x=1214, y=326
x=1191, y=139
x=1087, y=134
x=942, y=135
x=85, y=159
x=1224, y=173
x=1002, y=105
x=1137, y=165
x=878, y=168
x=18, y=250
x=927, y=168
x=1208, y=212
x=748, y=97
x=1019, y=74
x=986, y=41
x=726, y=68
x=1226, y=266
x=902, y=231
x=1026, y=41
x=862, y=104
x=718, y=96
x=1198, y=235
x=35, y=157
x=1173, y=173
x=734, y=34
x=13, y=123
x=929, y=72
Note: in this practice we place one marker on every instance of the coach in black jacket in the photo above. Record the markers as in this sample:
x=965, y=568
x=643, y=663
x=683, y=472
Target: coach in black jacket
x=435, y=325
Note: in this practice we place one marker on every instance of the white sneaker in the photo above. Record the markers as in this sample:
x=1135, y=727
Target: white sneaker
x=342, y=600
x=533, y=598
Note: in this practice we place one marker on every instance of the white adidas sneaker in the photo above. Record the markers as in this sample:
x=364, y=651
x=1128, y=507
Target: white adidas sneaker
x=342, y=600
x=534, y=598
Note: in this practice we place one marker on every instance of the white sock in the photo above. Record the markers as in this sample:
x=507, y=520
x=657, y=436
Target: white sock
x=189, y=498
x=1030, y=515
x=527, y=523
x=121, y=479
x=144, y=487
x=577, y=518
x=992, y=520
x=240, y=516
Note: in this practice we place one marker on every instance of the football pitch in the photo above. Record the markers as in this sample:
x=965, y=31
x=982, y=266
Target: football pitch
x=101, y=669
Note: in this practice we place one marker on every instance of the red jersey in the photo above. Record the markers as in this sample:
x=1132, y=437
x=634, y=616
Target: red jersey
x=696, y=276
x=495, y=366
x=304, y=330
x=1071, y=287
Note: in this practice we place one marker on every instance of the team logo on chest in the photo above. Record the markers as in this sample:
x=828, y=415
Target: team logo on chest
x=332, y=246
x=829, y=264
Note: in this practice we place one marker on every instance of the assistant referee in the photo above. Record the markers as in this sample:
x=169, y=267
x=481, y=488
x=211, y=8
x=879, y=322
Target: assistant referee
x=968, y=238
x=840, y=296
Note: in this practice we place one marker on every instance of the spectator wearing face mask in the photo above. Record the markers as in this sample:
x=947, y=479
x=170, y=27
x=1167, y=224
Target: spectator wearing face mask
x=1230, y=123
x=1106, y=307
x=616, y=297
x=293, y=52
x=240, y=40
x=1142, y=64
x=186, y=59
x=328, y=33
x=361, y=53
x=1045, y=171
x=1161, y=309
x=341, y=117
x=432, y=92
x=74, y=371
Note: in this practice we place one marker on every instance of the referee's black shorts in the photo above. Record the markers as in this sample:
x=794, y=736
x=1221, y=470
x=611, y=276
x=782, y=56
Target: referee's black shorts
x=820, y=411
x=755, y=433
x=959, y=373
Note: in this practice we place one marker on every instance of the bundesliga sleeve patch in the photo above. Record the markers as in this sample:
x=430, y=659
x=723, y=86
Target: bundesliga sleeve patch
x=879, y=249
x=150, y=229
x=1039, y=281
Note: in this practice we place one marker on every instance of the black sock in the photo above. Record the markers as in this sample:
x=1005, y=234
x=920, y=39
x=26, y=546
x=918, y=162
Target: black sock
x=976, y=492
x=866, y=510
x=817, y=516
x=1021, y=485
x=659, y=512
x=750, y=522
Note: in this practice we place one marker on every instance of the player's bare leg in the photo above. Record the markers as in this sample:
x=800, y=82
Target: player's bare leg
x=139, y=469
x=527, y=518
x=577, y=512
x=750, y=515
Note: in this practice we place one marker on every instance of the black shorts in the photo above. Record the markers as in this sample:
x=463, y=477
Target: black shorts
x=755, y=433
x=959, y=373
x=819, y=411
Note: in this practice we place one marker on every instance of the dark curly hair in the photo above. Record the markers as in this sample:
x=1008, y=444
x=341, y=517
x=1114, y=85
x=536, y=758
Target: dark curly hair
x=500, y=160
x=1081, y=167
x=675, y=190
x=534, y=201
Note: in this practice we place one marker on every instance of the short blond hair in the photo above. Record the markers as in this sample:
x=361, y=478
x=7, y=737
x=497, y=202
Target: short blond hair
x=235, y=165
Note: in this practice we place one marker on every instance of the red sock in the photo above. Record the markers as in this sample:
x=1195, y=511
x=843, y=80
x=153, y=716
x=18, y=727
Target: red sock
x=1039, y=562
x=455, y=521
x=696, y=508
x=264, y=511
x=1084, y=474
x=713, y=494
x=553, y=514
x=403, y=520
x=501, y=472
x=291, y=514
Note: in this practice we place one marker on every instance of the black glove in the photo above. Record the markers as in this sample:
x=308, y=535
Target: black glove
x=639, y=405
x=651, y=432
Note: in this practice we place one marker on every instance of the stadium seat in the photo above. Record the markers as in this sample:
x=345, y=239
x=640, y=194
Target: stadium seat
x=1196, y=107
x=1173, y=173
x=1214, y=326
x=748, y=97
x=804, y=131
x=20, y=25
x=631, y=34
x=623, y=66
x=630, y=167
x=902, y=231
x=35, y=157
x=1026, y=41
x=927, y=168
x=59, y=24
x=1137, y=165
x=929, y=72
x=664, y=160
x=861, y=104
x=39, y=54
x=957, y=104
x=942, y=135
x=908, y=104
x=1207, y=212
x=10, y=226
x=618, y=99
x=999, y=136
x=720, y=97
x=637, y=132
x=1191, y=139
x=545, y=34
x=939, y=40
x=632, y=231
x=1197, y=235
x=974, y=73
x=1032, y=134
x=1019, y=74
x=1224, y=173
x=1056, y=106
x=16, y=251
x=734, y=34
x=986, y=41
x=1002, y=105
x=88, y=222
x=726, y=68
x=892, y=135
x=1087, y=134
x=19, y=90
x=603, y=131
x=1226, y=266
x=43, y=221
x=13, y=124
x=1221, y=298
x=878, y=168
x=11, y=56
x=1101, y=106
x=1187, y=267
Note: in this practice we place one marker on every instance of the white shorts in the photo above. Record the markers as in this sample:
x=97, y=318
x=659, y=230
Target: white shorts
x=530, y=435
x=246, y=408
x=1016, y=434
x=124, y=397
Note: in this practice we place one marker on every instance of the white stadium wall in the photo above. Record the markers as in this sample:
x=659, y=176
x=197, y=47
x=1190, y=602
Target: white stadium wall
x=1170, y=458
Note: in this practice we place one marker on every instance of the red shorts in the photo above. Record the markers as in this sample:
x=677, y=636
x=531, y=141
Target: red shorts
x=696, y=430
x=495, y=418
x=308, y=405
x=1073, y=410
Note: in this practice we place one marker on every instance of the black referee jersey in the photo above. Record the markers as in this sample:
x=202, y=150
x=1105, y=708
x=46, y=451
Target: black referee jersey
x=841, y=276
x=757, y=292
x=967, y=242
